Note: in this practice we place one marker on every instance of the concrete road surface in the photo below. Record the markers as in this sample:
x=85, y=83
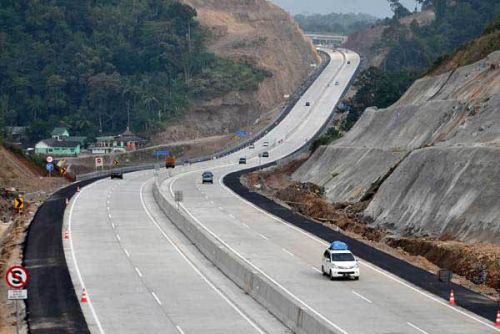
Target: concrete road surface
x=378, y=303
x=142, y=275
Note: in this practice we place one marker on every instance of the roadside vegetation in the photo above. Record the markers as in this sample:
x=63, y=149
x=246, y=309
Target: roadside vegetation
x=89, y=65
x=329, y=137
x=336, y=23
x=414, y=50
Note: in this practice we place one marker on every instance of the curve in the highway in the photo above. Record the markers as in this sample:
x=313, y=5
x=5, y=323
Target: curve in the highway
x=378, y=303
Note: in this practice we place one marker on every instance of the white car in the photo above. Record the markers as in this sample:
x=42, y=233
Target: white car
x=266, y=144
x=340, y=263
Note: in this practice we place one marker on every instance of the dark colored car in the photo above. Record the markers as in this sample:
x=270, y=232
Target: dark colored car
x=117, y=175
x=308, y=104
x=243, y=161
x=265, y=154
x=207, y=177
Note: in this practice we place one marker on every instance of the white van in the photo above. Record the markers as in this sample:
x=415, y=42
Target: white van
x=340, y=263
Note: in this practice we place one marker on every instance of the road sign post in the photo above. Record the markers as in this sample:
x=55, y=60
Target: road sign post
x=99, y=162
x=17, y=277
x=49, y=167
x=19, y=204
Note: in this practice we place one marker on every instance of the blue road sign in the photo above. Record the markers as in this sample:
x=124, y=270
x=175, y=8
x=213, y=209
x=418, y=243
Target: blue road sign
x=49, y=167
x=241, y=133
x=160, y=153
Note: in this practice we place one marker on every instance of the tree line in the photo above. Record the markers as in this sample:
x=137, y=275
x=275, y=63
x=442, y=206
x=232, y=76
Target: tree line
x=96, y=66
x=413, y=50
x=342, y=24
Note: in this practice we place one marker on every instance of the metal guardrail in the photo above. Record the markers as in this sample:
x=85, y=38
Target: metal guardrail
x=108, y=172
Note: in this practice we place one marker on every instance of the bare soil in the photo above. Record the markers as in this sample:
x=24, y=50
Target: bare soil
x=16, y=176
x=475, y=266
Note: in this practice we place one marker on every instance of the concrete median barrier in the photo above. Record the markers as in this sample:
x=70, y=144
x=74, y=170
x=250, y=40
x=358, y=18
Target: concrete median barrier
x=295, y=315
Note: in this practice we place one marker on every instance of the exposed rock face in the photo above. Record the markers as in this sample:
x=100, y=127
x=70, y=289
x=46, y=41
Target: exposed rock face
x=432, y=159
x=256, y=30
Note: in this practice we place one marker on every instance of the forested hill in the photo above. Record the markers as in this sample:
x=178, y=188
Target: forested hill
x=342, y=24
x=88, y=64
x=410, y=50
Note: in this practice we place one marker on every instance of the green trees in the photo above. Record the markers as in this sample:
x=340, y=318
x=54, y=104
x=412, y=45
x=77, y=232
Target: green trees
x=94, y=66
x=411, y=50
x=343, y=24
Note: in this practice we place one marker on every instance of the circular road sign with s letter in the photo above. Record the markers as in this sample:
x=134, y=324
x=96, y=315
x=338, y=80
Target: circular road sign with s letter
x=17, y=277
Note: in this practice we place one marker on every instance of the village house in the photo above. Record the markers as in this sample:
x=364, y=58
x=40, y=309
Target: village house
x=127, y=141
x=61, y=144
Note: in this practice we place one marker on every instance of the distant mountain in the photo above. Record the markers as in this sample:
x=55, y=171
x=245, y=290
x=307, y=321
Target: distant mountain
x=343, y=24
x=378, y=8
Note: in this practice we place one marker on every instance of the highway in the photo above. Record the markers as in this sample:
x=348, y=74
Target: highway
x=143, y=276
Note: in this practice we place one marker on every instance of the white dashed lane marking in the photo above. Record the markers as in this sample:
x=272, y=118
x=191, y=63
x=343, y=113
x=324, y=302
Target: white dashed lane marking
x=362, y=297
x=156, y=297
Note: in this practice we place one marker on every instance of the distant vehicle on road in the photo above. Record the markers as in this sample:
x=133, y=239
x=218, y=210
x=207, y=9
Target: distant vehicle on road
x=266, y=144
x=265, y=154
x=207, y=177
x=170, y=162
x=348, y=62
x=308, y=104
x=251, y=147
x=338, y=261
x=336, y=83
x=243, y=161
x=117, y=175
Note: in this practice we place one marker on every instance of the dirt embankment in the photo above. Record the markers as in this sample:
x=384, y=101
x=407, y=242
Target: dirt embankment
x=266, y=35
x=16, y=176
x=476, y=266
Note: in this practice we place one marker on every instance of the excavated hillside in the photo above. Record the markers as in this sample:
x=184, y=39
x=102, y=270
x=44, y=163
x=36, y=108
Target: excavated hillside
x=265, y=35
x=429, y=163
x=364, y=42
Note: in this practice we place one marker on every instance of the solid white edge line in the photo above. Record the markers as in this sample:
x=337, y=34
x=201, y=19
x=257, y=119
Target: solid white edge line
x=180, y=329
x=138, y=271
x=73, y=255
x=362, y=297
x=156, y=297
x=253, y=324
x=390, y=276
x=418, y=329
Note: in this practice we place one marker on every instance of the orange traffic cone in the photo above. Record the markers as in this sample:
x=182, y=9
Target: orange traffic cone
x=66, y=235
x=497, y=323
x=452, y=298
x=84, y=295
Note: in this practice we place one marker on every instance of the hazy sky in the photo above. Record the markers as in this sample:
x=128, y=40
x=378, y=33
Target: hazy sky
x=378, y=8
